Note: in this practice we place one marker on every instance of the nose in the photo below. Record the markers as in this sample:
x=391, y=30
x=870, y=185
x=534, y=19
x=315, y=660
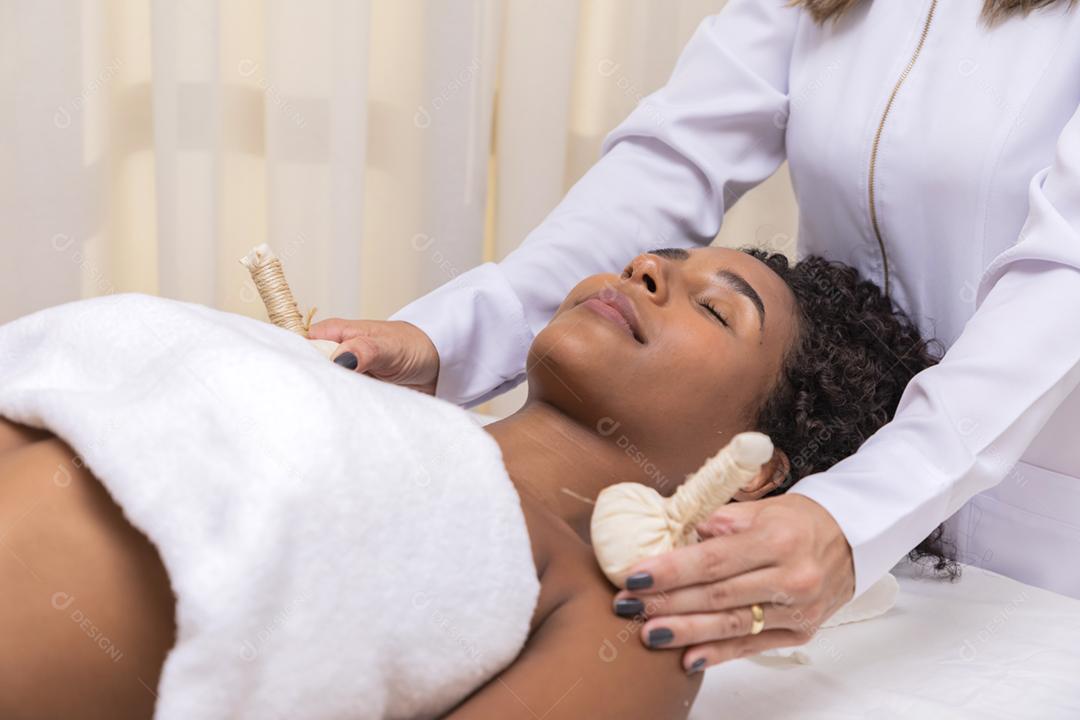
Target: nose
x=651, y=273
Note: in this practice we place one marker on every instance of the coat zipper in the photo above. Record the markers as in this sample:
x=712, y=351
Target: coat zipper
x=877, y=141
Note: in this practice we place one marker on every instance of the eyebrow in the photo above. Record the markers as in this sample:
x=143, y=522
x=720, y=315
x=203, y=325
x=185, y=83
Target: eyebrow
x=670, y=253
x=739, y=284
x=732, y=279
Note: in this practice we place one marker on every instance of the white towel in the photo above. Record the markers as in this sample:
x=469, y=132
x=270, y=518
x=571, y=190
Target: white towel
x=338, y=547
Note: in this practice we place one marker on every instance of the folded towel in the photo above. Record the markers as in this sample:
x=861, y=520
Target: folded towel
x=338, y=547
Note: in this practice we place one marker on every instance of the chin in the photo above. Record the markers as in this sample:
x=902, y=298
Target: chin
x=573, y=367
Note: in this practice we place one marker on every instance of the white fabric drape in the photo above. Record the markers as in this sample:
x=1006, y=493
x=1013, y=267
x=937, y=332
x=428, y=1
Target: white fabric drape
x=381, y=146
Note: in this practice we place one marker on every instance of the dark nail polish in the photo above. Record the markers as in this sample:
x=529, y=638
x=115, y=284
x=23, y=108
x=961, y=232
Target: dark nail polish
x=639, y=581
x=660, y=636
x=697, y=667
x=629, y=607
x=347, y=360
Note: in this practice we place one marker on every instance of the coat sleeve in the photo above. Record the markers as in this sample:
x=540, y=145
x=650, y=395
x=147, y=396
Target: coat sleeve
x=666, y=177
x=962, y=424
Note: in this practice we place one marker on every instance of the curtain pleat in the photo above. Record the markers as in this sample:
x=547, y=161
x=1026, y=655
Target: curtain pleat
x=382, y=147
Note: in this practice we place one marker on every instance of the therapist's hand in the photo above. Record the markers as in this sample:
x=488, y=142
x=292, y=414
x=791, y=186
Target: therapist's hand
x=784, y=553
x=395, y=351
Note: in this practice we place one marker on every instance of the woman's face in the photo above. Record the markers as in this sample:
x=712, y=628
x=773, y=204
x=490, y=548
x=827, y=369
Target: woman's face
x=670, y=358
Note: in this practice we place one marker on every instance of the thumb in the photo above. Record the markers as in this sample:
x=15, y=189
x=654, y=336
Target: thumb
x=728, y=520
x=330, y=329
x=359, y=354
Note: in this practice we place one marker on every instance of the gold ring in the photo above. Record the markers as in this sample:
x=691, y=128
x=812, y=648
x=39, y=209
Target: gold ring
x=759, y=619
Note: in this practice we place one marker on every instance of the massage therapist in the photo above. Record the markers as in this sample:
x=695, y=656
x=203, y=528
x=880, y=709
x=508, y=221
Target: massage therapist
x=935, y=146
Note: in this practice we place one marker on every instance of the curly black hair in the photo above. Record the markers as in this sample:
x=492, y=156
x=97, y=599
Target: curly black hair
x=854, y=354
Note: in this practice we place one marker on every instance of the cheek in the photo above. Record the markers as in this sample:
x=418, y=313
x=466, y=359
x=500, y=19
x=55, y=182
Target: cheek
x=706, y=379
x=693, y=394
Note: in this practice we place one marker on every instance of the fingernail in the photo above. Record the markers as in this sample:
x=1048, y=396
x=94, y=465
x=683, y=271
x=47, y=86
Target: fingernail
x=660, y=636
x=639, y=581
x=347, y=360
x=697, y=667
x=629, y=607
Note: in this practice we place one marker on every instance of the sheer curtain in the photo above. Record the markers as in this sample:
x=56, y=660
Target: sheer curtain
x=380, y=146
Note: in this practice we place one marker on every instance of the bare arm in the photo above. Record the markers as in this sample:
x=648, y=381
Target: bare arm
x=582, y=661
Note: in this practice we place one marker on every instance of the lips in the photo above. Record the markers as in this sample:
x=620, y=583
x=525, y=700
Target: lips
x=618, y=308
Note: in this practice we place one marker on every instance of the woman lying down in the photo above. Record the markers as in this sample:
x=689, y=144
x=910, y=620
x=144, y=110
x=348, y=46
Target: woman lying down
x=203, y=518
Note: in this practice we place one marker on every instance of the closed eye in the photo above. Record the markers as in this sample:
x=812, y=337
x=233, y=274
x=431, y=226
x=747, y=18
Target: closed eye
x=713, y=311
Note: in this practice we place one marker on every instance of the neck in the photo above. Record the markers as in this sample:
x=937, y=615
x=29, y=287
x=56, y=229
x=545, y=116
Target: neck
x=560, y=464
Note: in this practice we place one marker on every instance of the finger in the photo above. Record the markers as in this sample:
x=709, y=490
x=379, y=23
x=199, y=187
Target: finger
x=767, y=479
x=720, y=524
x=688, y=630
x=708, y=561
x=329, y=329
x=358, y=354
x=758, y=586
x=747, y=491
x=704, y=656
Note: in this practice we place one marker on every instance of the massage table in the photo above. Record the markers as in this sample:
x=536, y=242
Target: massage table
x=983, y=647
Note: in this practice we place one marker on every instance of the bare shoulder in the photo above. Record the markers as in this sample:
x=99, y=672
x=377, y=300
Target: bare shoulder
x=581, y=660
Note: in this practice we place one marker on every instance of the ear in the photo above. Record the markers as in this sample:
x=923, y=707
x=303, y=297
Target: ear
x=770, y=477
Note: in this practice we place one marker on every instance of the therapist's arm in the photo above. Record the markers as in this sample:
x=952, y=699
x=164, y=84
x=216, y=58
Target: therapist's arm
x=959, y=428
x=669, y=173
x=962, y=424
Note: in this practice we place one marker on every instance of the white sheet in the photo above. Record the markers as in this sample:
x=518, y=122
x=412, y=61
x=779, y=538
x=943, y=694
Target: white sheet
x=985, y=647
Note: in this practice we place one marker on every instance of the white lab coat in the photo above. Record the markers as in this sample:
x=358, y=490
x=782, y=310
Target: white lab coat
x=977, y=198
